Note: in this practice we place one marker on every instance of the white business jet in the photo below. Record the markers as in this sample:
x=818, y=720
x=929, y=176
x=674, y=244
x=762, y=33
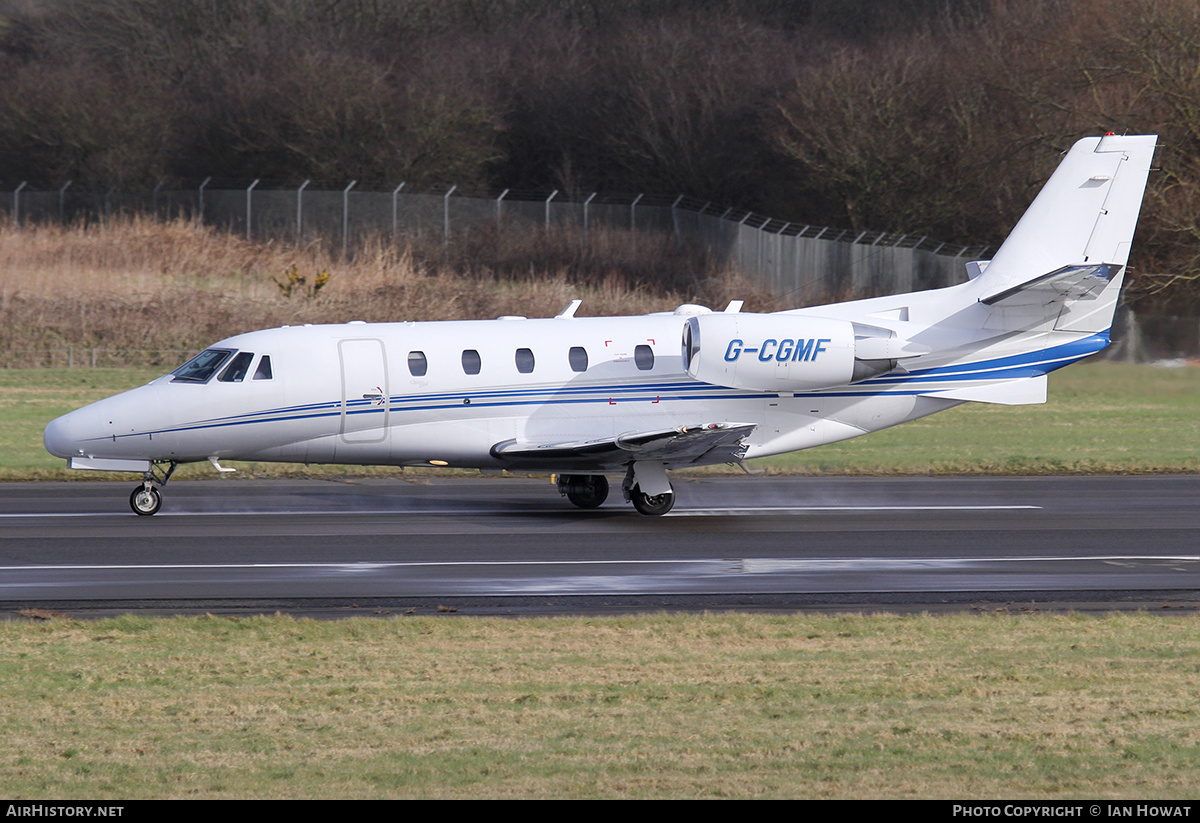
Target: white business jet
x=583, y=398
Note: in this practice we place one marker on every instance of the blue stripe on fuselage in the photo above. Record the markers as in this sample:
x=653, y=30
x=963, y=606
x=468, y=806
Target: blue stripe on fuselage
x=1028, y=364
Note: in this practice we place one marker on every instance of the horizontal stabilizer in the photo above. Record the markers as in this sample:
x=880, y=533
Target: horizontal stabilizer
x=1020, y=392
x=714, y=442
x=1080, y=282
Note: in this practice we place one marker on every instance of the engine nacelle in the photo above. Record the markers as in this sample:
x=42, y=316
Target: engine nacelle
x=770, y=352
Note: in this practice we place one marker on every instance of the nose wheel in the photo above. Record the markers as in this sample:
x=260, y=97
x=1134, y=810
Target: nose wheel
x=145, y=500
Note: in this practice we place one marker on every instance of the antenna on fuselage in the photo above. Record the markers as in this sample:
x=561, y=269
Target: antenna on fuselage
x=569, y=311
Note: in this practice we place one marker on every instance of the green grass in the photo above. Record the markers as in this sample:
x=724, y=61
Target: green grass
x=1100, y=418
x=31, y=398
x=661, y=706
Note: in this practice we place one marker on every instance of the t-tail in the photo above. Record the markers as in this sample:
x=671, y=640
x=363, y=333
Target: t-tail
x=1044, y=301
x=1062, y=267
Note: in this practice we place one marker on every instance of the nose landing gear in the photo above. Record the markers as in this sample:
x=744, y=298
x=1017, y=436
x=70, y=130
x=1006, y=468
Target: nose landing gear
x=146, y=498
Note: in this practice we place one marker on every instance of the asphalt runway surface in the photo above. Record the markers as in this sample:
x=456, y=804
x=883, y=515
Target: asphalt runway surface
x=509, y=545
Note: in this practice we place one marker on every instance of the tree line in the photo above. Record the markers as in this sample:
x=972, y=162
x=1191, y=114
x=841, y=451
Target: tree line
x=919, y=116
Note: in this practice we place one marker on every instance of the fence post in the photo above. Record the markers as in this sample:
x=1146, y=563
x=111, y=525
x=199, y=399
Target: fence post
x=758, y=243
x=738, y=237
x=300, y=210
x=154, y=197
x=396, y=209
x=62, y=202
x=586, y=204
x=633, y=225
x=200, y=202
x=499, y=200
x=675, y=220
x=346, y=217
x=248, y=212
x=17, y=205
x=553, y=194
x=446, y=215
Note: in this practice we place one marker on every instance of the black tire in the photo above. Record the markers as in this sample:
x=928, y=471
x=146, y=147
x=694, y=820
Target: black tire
x=587, y=491
x=145, y=501
x=654, y=505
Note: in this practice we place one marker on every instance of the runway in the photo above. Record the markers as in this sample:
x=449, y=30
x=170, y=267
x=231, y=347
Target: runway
x=512, y=545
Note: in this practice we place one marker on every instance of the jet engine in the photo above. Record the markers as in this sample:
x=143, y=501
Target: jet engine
x=783, y=352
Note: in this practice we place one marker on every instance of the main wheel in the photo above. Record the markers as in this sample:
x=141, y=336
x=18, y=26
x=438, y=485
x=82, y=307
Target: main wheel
x=145, y=500
x=652, y=504
x=587, y=491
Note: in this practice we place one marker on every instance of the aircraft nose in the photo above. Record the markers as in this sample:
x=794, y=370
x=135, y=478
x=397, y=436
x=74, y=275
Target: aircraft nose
x=61, y=436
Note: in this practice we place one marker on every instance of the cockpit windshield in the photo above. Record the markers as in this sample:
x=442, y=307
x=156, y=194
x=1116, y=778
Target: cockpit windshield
x=201, y=367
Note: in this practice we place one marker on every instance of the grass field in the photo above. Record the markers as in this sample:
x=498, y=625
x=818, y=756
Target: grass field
x=1100, y=418
x=660, y=706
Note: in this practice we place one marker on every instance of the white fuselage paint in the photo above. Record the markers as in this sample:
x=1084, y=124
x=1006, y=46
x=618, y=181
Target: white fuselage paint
x=345, y=394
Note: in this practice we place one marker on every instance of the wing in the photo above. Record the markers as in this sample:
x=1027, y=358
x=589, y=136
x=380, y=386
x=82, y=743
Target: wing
x=687, y=445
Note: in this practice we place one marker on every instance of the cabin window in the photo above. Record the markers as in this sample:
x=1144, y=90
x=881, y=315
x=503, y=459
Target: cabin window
x=643, y=357
x=263, y=372
x=235, y=372
x=578, y=358
x=471, y=361
x=202, y=366
x=524, y=361
x=418, y=365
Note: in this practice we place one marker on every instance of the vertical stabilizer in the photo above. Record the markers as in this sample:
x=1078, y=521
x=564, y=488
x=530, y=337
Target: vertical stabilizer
x=1079, y=228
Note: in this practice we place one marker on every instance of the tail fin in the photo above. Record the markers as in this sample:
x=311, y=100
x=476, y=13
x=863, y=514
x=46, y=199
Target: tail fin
x=1073, y=242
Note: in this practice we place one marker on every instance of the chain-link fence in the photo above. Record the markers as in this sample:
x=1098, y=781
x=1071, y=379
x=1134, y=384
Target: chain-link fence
x=786, y=258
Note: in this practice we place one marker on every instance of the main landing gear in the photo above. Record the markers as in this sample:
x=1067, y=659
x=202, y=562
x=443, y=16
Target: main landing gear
x=146, y=498
x=652, y=504
x=589, y=491
x=653, y=476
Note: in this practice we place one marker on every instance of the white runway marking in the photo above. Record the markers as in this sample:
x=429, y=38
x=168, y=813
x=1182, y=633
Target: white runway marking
x=707, y=512
x=749, y=565
x=801, y=509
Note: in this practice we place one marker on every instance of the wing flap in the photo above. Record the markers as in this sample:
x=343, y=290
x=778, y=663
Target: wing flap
x=706, y=443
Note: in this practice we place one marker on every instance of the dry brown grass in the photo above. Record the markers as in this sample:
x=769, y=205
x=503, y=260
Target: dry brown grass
x=144, y=284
